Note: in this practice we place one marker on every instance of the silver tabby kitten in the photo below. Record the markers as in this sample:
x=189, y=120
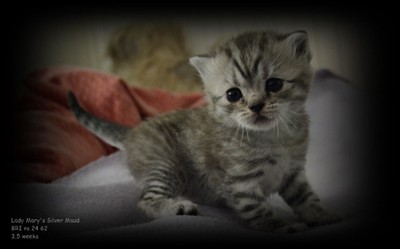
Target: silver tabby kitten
x=249, y=142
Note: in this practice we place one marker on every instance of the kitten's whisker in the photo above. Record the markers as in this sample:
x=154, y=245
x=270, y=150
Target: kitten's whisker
x=225, y=132
x=295, y=113
x=228, y=131
x=295, y=117
x=247, y=133
x=236, y=133
x=276, y=125
x=287, y=126
x=241, y=139
x=291, y=122
x=299, y=121
x=289, y=119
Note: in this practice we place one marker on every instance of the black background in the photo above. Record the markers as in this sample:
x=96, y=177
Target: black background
x=375, y=25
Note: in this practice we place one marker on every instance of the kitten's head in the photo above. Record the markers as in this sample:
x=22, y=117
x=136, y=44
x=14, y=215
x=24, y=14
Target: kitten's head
x=257, y=79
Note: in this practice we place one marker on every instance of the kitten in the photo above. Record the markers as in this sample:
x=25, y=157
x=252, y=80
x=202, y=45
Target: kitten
x=249, y=142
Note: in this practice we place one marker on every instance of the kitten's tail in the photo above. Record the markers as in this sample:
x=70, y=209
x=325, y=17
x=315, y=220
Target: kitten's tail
x=111, y=133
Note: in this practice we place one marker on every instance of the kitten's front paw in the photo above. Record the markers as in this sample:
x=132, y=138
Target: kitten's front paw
x=167, y=207
x=319, y=217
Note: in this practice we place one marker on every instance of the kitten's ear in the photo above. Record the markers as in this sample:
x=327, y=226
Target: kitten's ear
x=201, y=63
x=298, y=42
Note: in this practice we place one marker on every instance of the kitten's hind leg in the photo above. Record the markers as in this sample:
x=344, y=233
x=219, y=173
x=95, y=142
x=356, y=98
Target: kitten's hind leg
x=250, y=205
x=297, y=192
x=160, y=198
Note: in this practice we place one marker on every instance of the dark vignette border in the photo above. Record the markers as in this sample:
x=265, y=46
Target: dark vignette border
x=18, y=52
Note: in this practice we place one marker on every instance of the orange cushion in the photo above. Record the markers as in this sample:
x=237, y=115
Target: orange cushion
x=51, y=143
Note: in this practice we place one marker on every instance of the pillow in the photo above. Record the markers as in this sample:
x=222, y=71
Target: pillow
x=51, y=143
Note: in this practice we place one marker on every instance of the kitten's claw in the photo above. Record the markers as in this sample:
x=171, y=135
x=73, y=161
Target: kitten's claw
x=186, y=208
x=181, y=210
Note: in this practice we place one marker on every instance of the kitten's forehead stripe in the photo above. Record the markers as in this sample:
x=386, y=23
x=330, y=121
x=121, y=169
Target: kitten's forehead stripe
x=256, y=64
x=243, y=42
x=247, y=53
x=245, y=61
x=240, y=69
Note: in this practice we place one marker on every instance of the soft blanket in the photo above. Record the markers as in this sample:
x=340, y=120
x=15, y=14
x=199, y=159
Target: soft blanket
x=101, y=196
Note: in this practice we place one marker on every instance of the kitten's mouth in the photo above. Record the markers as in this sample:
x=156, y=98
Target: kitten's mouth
x=261, y=120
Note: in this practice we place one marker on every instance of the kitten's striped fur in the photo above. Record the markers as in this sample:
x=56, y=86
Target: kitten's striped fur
x=232, y=152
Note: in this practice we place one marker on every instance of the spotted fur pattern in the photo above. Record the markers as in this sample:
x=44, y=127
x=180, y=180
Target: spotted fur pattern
x=236, y=152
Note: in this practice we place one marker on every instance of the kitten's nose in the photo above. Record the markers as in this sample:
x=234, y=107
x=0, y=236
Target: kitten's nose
x=257, y=108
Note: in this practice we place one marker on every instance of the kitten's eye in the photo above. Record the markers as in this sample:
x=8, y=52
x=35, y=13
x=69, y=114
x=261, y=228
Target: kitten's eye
x=273, y=84
x=233, y=94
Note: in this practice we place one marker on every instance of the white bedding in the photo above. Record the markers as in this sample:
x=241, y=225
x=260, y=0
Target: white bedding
x=103, y=194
